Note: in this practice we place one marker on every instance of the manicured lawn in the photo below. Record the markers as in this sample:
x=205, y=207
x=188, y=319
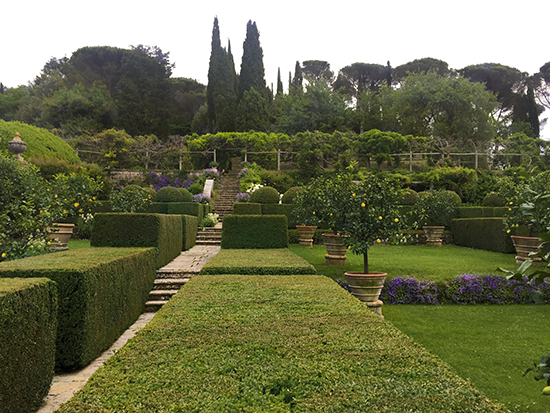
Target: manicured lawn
x=245, y=343
x=491, y=345
x=427, y=263
x=78, y=243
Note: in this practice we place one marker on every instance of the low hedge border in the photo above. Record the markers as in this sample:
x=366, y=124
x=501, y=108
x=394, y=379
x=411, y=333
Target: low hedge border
x=281, y=209
x=274, y=344
x=482, y=233
x=28, y=325
x=257, y=262
x=254, y=231
x=187, y=208
x=119, y=229
x=247, y=208
x=101, y=292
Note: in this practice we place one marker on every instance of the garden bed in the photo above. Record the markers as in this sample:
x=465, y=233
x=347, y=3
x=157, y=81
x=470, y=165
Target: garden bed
x=273, y=344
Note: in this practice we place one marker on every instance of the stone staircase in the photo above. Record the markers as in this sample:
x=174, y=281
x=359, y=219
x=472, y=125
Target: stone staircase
x=174, y=275
x=210, y=235
x=227, y=194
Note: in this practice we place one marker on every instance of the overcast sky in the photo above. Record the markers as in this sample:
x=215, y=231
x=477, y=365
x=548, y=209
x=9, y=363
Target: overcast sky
x=513, y=33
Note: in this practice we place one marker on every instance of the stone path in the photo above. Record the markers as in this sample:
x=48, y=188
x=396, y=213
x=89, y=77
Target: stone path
x=65, y=385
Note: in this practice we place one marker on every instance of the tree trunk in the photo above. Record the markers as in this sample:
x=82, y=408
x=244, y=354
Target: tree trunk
x=366, y=262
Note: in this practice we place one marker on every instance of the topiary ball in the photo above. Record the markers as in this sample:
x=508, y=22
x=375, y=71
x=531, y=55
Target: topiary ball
x=494, y=199
x=169, y=194
x=290, y=195
x=409, y=197
x=186, y=195
x=131, y=187
x=265, y=195
x=453, y=197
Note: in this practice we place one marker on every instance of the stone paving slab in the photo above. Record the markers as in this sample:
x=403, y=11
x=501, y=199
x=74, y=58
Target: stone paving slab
x=64, y=386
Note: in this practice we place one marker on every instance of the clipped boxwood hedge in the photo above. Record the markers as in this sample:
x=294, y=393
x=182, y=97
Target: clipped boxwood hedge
x=482, y=233
x=158, y=208
x=230, y=343
x=101, y=292
x=257, y=262
x=190, y=226
x=186, y=208
x=120, y=229
x=281, y=209
x=247, y=208
x=28, y=325
x=254, y=231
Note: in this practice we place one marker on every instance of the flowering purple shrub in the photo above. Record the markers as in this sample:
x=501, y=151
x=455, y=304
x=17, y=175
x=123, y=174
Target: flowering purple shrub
x=202, y=199
x=492, y=289
x=211, y=173
x=160, y=181
x=243, y=197
x=408, y=290
x=343, y=284
x=242, y=172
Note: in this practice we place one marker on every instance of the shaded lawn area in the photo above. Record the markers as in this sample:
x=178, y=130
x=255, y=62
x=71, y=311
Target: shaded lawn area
x=273, y=344
x=418, y=261
x=492, y=345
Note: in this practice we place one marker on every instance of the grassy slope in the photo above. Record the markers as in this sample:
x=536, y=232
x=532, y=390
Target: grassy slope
x=273, y=344
x=490, y=345
x=434, y=264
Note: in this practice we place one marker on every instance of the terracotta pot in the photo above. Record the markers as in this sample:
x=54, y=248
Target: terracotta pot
x=61, y=234
x=336, y=250
x=305, y=234
x=524, y=246
x=433, y=235
x=367, y=288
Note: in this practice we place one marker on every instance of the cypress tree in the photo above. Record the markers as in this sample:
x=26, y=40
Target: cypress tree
x=252, y=66
x=297, y=82
x=279, y=82
x=220, y=92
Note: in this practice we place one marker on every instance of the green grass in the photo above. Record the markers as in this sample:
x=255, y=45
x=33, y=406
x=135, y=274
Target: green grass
x=273, y=344
x=427, y=263
x=280, y=261
x=491, y=345
x=78, y=243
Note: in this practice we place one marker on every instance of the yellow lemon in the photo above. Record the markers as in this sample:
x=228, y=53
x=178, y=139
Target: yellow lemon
x=396, y=219
x=546, y=391
x=362, y=205
x=352, y=194
x=313, y=212
x=380, y=218
x=378, y=241
x=76, y=204
x=3, y=255
x=508, y=231
x=511, y=203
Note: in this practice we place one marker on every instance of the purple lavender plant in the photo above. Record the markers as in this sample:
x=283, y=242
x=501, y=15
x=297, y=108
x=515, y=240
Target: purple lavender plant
x=202, y=199
x=409, y=290
x=243, y=197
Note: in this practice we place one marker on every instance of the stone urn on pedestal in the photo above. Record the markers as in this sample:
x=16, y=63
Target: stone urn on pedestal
x=336, y=250
x=17, y=147
x=305, y=235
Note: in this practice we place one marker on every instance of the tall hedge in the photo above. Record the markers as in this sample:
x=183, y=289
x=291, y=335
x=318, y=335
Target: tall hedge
x=254, y=231
x=101, y=292
x=186, y=208
x=28, y=326
x=164, y=232
x=281, y=209
x=482, y=233
x=247, y=208
x=190, y=226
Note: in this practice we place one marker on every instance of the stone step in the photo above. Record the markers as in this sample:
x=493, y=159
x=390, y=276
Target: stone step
x=211, y=236
x=208, y=242
x=170, y=283
x=161, y=295
x=153, y=306
x=177, y=273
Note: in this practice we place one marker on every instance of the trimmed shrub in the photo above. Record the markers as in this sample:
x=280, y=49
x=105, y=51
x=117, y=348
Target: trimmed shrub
x=482, y=233
x=409, y=197
x=189, y=228
x=494, y=199
x=158, y=208
x=28, y=325
x=290, y=195
x=101, y=292
x=280, y=209
x=186, y=195
x=470, y=212
x=247, y=209
x=164, y=232
x=186, y=208
x=254, y=231
x=169, y=194
x=265, y=195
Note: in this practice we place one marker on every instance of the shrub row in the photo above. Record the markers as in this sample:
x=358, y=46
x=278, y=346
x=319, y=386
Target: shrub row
x=181, y=208
x=254, y=231
x=463, y=289
x=190, y=226
x=120, y=229
x=28, y=325
x=274, y=344
x=249, y=208
x=482, y=233
x=101, y=292
x=257, y=262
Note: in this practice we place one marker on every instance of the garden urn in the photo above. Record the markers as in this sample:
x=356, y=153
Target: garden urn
x=305, y=234
x=433, y=235
x=524, y=246
x=336, y=250
x=367, y=288
x=60, y=234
